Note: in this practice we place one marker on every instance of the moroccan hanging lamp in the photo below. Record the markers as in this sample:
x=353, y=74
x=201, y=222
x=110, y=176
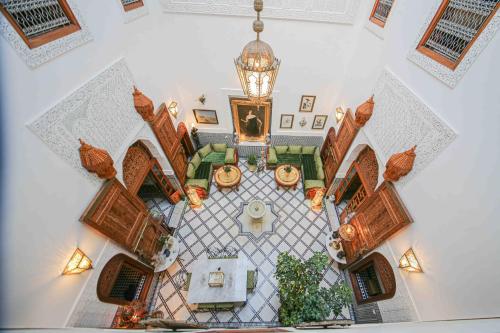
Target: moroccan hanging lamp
x=400, y=165
x=143, y=105
x=97, y=161
x=256, y=66
x=364, y=112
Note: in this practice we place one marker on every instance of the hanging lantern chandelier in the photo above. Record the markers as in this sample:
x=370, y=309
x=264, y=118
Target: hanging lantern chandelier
x=257, y=67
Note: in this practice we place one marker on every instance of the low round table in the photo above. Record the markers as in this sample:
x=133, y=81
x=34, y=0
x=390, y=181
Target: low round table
x=285, y=179
x=333, y=251
x=229, y=179
x=164, y=261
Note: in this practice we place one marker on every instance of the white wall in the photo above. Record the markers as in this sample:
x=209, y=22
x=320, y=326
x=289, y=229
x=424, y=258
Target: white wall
x=454, y=200
x=171, y=57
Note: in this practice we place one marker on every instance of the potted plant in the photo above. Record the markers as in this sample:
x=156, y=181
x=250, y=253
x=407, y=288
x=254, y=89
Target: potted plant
x=288, y=169
x=252, y=162
x=301, y=297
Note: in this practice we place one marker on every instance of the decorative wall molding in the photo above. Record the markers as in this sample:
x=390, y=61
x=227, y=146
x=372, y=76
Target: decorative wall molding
x=42, y=54
x=330, y=11
x=101, y=112
x=443, y=73
x=401, y=120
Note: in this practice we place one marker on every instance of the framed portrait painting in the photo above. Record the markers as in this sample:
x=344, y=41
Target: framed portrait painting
x=286, y=121
x=307, y=103
x=206, y=116
x=319, y=121
x=251, y=121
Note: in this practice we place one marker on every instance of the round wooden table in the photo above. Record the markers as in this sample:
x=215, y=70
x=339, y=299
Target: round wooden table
x=285, y=179
x=229, y=179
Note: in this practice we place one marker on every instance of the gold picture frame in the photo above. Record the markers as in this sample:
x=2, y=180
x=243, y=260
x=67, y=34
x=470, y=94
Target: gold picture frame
x=251, y=121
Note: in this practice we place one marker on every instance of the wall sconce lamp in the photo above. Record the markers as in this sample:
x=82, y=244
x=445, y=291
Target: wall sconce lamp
x=339, y=114
x=172, y=107
x=409, y=262
x=78, y=263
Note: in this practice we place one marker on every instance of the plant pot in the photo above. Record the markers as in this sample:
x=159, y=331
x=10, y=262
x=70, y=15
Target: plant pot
x=252, y=167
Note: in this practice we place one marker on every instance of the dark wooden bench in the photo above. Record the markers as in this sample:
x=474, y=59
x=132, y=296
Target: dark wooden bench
x=326, y=324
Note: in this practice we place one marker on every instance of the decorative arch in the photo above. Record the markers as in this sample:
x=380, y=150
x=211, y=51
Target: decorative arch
x=373, y=279
x=368, y=165
x=123, y=280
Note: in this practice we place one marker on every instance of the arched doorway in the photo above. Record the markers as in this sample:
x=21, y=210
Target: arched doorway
x=359, y=182
x=372, y=279
x=144, y=177
x=123, y=280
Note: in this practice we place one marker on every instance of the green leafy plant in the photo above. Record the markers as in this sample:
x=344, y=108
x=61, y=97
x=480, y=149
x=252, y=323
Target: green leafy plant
x=302, y=299
x=288, y=169
x=252, y=159
x=227, y=169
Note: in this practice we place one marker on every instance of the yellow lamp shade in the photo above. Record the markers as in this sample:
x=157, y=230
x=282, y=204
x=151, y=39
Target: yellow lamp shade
x=78, y=263
x=409, y=262
x=172, y=107
x=347, y=232
x=339, y=114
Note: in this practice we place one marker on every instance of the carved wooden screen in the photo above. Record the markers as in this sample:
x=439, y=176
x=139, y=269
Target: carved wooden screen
x=372, y=279
x=147, y=244
x=345, y=136
x=328, y=155
x=368, y=168
x=183, y=135
x=116, y=213
x=167, y=136
x=377, y=218
x=123, y=280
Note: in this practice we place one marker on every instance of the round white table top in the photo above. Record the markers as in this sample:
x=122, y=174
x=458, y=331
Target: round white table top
x=332, y=251
x=256, y=209
x=164, y=261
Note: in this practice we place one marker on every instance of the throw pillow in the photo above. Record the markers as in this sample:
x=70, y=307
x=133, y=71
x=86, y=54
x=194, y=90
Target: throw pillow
x=281, y=149
x=229, y=159
x=317, y=152
x=191, y=171
x=308, y=150
x=219, y=147
x=196, y=160
x=320, y=174
x=295, y=149
x=205, y=151
x=318, y=161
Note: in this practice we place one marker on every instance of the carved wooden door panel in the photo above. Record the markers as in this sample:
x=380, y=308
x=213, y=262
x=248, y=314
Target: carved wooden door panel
x=167, y=136
x=116, y=213
x=345, y=136
x=147, y=244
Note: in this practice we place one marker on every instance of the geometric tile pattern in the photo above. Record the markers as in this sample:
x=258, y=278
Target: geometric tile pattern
x=160, y=203
x=298, y=230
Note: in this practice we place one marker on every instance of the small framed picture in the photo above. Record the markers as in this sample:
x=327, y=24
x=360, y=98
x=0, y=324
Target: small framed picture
x=319, y=122
x=307, y=103
x=286, y=121
x=206, y=116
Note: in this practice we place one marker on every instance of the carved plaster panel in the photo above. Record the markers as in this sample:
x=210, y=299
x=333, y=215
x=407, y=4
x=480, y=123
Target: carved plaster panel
x=332, y=11
x=401, y=120
x=101, y=112
x=42, y=54
x=443, y=73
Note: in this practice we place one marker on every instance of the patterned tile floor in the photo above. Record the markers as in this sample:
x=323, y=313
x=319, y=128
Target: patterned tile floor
x=298, y=231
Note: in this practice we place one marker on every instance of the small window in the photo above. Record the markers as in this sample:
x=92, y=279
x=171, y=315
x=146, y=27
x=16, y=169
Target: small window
x=455, y=27
x=40, y=21
x=132, y=4
x=381, y=11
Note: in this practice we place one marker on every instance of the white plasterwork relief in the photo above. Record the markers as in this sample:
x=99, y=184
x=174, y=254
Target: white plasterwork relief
x=446, y=75
x=44, y=53
x=401, y=120
x=331, y=11
x=101, y=112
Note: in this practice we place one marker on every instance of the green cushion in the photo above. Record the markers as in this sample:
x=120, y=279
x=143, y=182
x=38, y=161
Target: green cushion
x=310, y=183
x=196, y=161
x=317, y=152
x=271, y=157
x=215, y=158
x=229, y=159
x=295, y=150
x=251, y=282
x=191, y=170
x=219, y=147
x=205, y=151
x=320, y=174
x=308, y=150
x=281, y=149
x=204, y=171
x=318, y=161
x=309, y=167
x=293, y=159
x=187, y=282
x=203, y=183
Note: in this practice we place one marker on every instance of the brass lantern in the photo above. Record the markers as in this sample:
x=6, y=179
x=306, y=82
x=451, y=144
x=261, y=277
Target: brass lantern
x=409, y=262
x=78, y=263
x=257, y=67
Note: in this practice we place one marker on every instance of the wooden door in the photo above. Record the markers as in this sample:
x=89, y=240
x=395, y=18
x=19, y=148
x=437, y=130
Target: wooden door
x=116, y=213
x=377, y=218
x=147, y=244
x=167, y=136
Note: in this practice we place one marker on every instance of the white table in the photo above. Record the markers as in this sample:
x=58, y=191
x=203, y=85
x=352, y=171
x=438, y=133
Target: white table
x=234, y=289
x=166, y=262
x=332, y=252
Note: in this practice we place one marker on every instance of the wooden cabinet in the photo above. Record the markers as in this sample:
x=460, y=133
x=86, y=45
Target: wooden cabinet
x=377, y=218
x=122, y=217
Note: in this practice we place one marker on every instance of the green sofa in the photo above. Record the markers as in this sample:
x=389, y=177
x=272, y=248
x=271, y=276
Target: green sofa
x=307, y=158
x=201, y=166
